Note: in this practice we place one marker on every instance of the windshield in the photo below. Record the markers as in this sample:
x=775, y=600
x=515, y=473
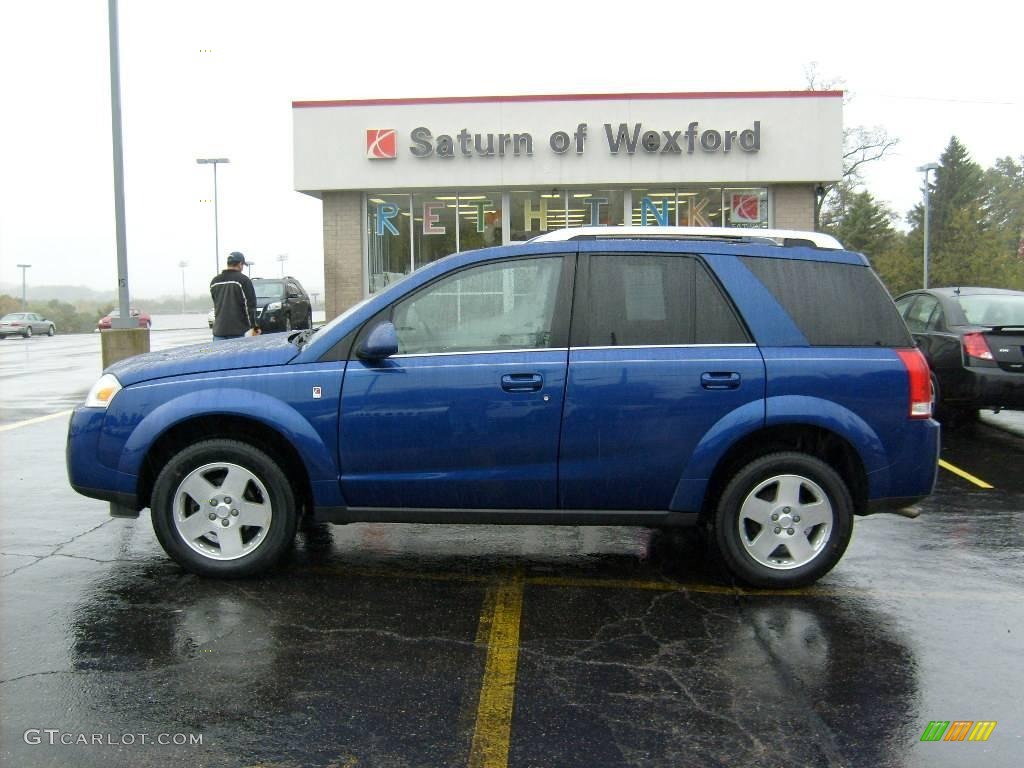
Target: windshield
x=269, y=290
x=993, y=309
x=15, y=316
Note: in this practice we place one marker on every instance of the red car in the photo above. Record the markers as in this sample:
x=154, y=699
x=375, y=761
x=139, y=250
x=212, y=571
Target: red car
x=105, y=321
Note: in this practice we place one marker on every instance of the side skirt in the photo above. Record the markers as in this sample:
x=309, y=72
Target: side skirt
x=651, y=518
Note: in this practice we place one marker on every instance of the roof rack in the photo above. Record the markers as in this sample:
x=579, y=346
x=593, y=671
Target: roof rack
x=782, y=237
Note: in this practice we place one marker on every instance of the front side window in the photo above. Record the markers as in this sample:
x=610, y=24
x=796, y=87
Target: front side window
x=499, y=306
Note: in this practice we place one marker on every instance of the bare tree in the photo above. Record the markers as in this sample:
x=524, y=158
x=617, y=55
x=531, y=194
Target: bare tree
x=861, y=145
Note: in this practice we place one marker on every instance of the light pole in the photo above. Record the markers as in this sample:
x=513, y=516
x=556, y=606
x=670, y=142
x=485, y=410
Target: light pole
x=216, y=226
x=315, y=296
x=23, y=267
x=183, y=264
x=925, y=169
x=282, y=258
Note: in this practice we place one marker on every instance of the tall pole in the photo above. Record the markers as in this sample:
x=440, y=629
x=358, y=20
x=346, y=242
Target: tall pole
x=927, y=205
x=125, y=320
x=183, y=264
x=216, y=214
x=926, y=169
x=216, y=225
x=23, y=267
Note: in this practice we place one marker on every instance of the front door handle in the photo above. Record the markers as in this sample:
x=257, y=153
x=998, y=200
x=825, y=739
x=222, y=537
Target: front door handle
x=522, y=382
x=720, y=380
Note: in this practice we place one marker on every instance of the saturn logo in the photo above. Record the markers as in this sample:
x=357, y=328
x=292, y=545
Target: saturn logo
x=381, y=143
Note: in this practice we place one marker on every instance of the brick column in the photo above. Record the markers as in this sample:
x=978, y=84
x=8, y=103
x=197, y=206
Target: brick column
x=343, y=251
x=793, y=206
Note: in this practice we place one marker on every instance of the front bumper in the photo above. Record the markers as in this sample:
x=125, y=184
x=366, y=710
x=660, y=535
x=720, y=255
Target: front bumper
x=86, y=474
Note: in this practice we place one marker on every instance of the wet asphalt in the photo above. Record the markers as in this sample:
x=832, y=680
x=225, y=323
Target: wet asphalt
x=377, y=645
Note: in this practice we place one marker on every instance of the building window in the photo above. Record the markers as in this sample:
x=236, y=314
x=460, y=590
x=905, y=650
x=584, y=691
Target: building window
x=388, y=243
x=479, y=220
x=700, y=207
x=745, y=206
x=406, y=231
x=535, y=212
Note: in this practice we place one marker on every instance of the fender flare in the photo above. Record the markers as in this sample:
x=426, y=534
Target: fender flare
x=254, y=406
x=773, y=412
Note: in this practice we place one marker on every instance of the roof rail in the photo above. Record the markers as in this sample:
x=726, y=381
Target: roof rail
x=782, y=237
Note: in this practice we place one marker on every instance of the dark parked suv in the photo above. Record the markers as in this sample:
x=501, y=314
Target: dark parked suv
x=758, y=383
x=282, y=304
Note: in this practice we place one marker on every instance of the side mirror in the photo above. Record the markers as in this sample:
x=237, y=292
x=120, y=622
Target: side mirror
x=293, y=296
x=381, y=343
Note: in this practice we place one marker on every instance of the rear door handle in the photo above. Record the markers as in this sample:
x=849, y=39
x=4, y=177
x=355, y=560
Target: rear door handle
x=720, y=380
x=522, y=382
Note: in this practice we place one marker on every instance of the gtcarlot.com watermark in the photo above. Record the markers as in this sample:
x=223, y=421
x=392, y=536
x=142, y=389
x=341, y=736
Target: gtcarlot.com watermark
x=55, y=737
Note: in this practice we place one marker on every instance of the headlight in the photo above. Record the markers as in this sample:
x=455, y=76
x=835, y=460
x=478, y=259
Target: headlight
x=103, y=391
x=273, y=305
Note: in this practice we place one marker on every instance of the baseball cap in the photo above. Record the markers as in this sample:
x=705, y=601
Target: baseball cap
x=236, y=258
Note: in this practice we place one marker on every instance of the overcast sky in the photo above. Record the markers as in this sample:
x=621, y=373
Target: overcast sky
x=216, y=78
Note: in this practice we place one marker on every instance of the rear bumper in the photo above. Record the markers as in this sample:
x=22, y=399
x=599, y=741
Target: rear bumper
x=991, y=388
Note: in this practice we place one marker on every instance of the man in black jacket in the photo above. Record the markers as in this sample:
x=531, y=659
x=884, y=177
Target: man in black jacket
x=234, y=301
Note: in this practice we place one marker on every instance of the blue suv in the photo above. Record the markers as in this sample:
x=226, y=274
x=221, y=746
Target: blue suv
x=758, y=383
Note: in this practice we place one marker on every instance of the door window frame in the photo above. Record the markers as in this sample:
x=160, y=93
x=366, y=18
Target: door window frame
x=561, y=311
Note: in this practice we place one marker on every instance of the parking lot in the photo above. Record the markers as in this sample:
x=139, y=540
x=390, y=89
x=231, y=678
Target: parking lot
x=411, y=645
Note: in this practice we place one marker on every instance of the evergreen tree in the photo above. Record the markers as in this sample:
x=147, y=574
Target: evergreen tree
x=963, y=249
x=860, y=222
x=1004, y=204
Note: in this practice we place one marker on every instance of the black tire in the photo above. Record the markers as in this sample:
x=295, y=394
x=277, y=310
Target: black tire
x=767, y=485
x=28, y=332
x=205, y=554
x=50, y=331
x=288, y=324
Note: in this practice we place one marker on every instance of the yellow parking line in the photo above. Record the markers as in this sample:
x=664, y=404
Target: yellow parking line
x=498, y=690
x=965, y=475
x=37, y=420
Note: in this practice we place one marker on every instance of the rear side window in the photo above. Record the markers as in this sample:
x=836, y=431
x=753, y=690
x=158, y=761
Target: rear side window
x=833, y=305
x=651, y=300
x=920, y=317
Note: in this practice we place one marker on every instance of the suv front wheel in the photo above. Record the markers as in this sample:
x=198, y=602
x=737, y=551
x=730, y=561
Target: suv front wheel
x=784, y=520
x=223, y=508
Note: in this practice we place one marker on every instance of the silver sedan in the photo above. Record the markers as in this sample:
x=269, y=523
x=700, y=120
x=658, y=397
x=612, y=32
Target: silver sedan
x=25, y=324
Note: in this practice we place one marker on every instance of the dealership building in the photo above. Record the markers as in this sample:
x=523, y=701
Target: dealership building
x=406, y=181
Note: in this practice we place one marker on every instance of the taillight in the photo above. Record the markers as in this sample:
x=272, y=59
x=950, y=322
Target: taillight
x=920, y=382
x=975, y=346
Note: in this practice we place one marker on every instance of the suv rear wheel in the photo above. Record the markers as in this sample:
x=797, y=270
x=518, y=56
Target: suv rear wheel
x=784, y=520
x=224, y=508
